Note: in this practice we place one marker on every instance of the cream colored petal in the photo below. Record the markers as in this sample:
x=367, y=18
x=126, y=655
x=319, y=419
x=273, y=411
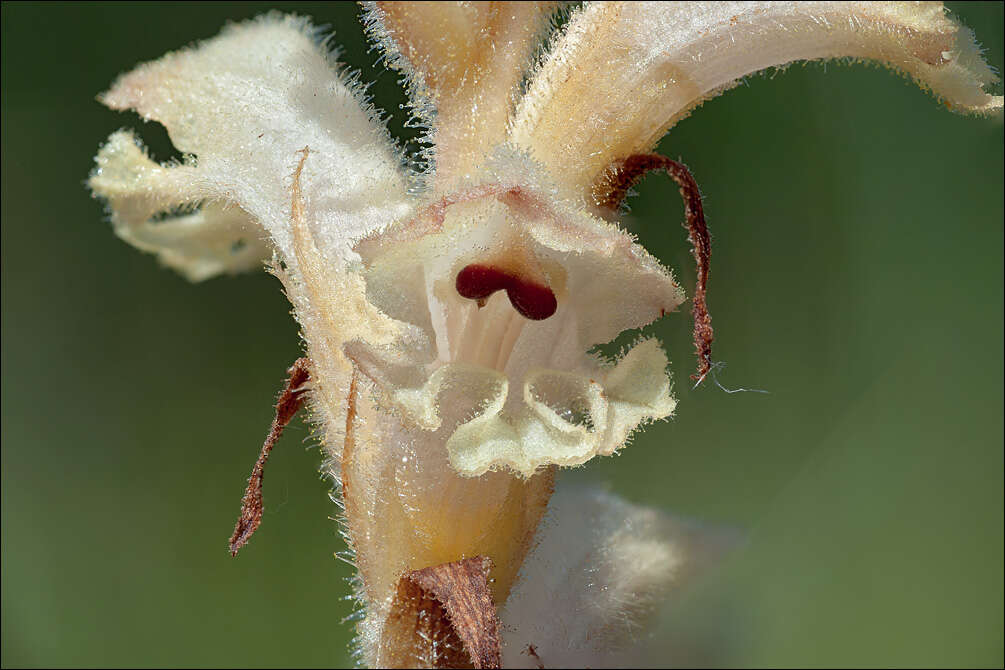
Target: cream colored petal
x=566, y=418
x=622, y=73
x=545, y=418
x=638, y=391
x=464, y=62
x=550, y=403
x=483, y=391
x=612, y=283
x=243, y=104
x=566, y=402
x=603, y=281
x=599, y=567
x=158, y=209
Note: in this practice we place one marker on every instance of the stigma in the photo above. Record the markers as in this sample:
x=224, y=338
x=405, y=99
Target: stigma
x=531, y=299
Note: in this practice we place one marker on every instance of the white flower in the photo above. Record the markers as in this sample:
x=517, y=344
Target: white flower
x=449, y=316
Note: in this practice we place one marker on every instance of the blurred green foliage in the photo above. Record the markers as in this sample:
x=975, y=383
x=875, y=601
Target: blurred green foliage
x=857, y=275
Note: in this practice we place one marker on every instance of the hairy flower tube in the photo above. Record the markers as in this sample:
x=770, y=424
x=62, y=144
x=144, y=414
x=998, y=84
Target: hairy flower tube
x=449, y=314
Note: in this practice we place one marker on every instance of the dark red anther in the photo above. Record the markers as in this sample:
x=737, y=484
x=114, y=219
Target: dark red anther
x=478, y=282
x=532, y=300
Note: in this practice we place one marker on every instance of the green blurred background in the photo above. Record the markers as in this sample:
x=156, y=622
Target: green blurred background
x=857, y=275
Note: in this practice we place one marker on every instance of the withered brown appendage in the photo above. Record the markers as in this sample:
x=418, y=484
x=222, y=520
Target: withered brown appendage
x=252, y=506
x=443, y=617
x=531, y=651
x=610, y=190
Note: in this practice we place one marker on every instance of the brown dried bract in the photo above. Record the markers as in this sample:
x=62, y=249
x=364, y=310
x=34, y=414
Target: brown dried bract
x=531, y=651
x=287, y=406
x=610, y=190
x=443, y=617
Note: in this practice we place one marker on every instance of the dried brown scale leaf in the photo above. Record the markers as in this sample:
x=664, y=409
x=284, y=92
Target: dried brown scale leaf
x=609, y=192
x=463, y=587
x=289, y=403
x=436, y=608
x=418, y=632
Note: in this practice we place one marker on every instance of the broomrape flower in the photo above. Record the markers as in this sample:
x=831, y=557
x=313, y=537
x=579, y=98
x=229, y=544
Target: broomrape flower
x=448, y=314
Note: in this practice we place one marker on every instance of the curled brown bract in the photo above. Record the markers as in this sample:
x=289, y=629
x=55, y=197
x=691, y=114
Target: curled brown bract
x=609, y=192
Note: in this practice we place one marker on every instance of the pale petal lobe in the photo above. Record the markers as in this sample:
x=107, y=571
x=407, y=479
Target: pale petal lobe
x=159, y=209
x=622, y=73
x=244, y=103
